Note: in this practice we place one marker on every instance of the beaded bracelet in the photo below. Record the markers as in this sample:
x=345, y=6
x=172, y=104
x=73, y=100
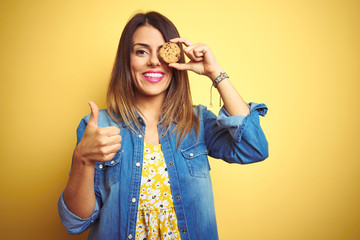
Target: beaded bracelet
x=221, y=77
x=216, y=82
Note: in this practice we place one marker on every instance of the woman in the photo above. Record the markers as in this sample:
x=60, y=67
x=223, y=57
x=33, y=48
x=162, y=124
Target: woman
x=140, y=169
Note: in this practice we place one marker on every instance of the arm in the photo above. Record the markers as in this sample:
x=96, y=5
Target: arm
x=236, y=136
x=233, y=102
x=236, y=139
x=203, y=62
x=77, y=205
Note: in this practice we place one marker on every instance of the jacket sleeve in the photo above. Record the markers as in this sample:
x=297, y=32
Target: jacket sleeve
x=236, y=139
x=74, y=224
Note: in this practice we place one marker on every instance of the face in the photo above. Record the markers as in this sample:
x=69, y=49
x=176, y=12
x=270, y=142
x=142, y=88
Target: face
x=151, y=76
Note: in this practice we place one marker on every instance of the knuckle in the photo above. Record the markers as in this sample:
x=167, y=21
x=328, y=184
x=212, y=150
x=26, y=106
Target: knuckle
x=113, y=130
x=103, y=152
x=102, y=142
x=109, y=156
x=118, y=147
x=119, y=139
x=99, y=131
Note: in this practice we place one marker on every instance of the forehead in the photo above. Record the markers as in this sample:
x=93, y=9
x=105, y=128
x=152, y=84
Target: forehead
x=149, y=35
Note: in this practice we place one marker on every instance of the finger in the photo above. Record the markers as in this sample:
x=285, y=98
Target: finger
x=194, y=52
x=180, y=66
x=105, y=157
x=184, y=41
x=192, y=55
x=110, y=149
x=189, y=49
x=94, y=115
x=114, y=140
x=198, y=52
x=109, y=131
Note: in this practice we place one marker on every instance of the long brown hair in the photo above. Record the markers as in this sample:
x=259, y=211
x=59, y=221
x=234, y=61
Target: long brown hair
x=120, y=99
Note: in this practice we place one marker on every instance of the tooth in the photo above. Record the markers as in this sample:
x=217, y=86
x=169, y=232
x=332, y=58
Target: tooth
x=154, y=75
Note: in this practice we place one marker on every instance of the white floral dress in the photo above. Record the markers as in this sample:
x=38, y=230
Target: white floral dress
x=156, y=213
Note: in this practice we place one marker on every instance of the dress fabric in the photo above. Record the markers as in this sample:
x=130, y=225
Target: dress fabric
x=156, y=213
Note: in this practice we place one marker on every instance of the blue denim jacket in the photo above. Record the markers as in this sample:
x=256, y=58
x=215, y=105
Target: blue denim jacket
x=235, y=139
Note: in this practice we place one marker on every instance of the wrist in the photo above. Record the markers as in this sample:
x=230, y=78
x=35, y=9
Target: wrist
x=80, y=160
x=222, y=76
x=214, y=74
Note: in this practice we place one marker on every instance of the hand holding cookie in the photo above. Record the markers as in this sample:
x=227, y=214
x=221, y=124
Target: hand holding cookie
x=202, y=60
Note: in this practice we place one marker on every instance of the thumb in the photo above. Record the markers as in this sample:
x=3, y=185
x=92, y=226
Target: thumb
x=180, y=66
x=94, y=114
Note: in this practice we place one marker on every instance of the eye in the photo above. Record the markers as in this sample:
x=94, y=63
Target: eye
x=140, y=52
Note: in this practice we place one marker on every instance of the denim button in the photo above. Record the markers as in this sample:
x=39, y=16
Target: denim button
x=130, y=236
x=191, y=154
x=139, y=136
x=101, y=166
x=133, y=200
x=112, y=162
x=137, y=164
x=178, y=197
x=171, y=163
x=184, y=231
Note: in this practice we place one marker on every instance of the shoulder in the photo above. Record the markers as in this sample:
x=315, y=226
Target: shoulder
x=201, y=112
x=199, y=109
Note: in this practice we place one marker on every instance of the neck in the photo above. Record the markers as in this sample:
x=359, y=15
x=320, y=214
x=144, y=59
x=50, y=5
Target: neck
x=150, y=107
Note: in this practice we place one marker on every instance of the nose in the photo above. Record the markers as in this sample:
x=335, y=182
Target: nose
x=154, y=60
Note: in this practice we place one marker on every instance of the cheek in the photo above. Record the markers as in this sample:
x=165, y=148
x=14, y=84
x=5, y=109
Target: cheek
x=134, y=67
x=136, y=63
x=168, y=71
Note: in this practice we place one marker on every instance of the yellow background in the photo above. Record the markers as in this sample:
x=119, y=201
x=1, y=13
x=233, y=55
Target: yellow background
x=300, y=57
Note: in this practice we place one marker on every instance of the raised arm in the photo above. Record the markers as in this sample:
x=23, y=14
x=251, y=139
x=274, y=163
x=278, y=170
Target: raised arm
x=235, y=136
x=203, y=62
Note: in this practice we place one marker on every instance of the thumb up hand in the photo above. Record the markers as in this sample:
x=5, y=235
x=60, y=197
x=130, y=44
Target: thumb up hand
x=99, y=144
x=94, y=115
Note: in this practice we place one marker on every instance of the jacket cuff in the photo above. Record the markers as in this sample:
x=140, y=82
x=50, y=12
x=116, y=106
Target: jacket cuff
x=237, y=124
x=73, y=223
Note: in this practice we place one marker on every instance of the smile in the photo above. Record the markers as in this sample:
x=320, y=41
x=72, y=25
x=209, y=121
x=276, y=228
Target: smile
x=153, y=77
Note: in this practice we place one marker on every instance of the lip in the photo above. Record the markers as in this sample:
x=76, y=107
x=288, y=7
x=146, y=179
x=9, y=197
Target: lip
x=153, y=79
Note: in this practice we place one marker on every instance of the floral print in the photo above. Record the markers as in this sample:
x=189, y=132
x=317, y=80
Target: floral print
x=156, y=213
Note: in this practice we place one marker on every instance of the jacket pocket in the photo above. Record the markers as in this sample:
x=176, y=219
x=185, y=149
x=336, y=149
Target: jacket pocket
x=107, y=173
x=196, y=160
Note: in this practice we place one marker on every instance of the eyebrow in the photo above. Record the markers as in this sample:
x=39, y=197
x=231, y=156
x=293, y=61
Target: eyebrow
x=141, y=44
x=144, y=45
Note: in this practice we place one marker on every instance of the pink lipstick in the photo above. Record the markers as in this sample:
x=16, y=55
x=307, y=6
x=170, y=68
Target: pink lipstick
x=153, y=76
